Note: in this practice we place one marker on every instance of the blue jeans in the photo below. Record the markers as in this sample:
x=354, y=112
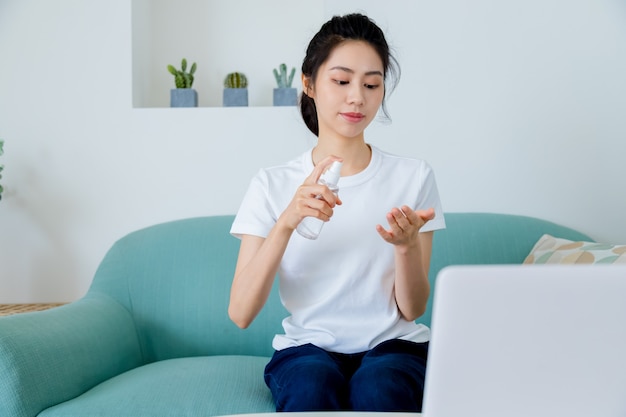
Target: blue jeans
x=390, y=377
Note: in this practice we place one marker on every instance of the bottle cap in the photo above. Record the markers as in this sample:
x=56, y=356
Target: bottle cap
x=331, y=176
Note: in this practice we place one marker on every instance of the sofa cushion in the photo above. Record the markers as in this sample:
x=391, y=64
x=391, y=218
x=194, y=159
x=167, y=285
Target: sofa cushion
x=553, y=250
x=196, y=386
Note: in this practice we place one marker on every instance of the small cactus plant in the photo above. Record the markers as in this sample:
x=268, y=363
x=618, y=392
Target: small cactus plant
x=182, y=78
x=282, y=79
x=236, y=80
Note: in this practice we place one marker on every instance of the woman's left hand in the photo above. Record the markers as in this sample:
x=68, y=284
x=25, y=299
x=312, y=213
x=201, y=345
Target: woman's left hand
x=404, y=225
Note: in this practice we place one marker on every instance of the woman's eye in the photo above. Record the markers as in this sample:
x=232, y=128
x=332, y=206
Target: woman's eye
x=346, y=82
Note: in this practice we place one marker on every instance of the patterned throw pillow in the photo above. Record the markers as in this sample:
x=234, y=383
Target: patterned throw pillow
x=552, y=250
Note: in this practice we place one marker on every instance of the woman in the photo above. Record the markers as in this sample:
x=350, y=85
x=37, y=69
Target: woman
x=350, y=342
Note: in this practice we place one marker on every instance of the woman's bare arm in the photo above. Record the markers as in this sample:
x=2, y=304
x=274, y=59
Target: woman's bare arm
x=259, y=258
x=412, y=258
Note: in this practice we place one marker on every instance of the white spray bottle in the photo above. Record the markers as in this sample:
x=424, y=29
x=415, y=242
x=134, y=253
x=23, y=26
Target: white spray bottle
x=310, y=227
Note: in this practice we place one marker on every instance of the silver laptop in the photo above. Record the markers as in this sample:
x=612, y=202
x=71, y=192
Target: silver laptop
x=528, y=340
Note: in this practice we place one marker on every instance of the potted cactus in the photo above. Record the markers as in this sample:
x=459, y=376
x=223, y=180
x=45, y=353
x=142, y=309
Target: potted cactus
x=183, y=95
x=235, y=90
x=284, y=94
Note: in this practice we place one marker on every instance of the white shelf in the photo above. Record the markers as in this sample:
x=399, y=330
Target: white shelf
x=235, y=35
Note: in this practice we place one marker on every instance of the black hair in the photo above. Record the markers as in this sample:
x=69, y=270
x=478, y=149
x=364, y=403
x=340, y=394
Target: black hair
x=337, y=30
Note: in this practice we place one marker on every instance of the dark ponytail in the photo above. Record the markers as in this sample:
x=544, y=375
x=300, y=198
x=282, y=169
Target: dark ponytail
x=309, y=113
x=332, y=33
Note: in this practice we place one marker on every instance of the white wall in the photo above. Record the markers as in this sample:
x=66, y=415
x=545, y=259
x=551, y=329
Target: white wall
x=247, y=36
x=519, y=106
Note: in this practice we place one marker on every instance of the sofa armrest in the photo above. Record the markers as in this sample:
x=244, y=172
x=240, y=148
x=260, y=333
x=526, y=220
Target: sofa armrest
x=52, y=356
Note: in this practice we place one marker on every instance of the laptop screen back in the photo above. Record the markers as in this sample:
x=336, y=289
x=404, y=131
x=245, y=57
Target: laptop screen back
x=528, y=340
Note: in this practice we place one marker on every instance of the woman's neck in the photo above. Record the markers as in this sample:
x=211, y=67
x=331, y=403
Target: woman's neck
x=356, y=154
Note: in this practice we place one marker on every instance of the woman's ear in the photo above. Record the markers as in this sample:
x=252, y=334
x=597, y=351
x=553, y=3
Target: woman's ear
x=307, y=88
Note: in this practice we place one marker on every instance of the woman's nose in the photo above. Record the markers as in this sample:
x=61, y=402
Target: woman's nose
x=355, y=95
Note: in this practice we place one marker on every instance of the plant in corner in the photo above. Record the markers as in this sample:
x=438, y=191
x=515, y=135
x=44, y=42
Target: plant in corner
x=183, y=95
x=235, y=90
x=284, y=94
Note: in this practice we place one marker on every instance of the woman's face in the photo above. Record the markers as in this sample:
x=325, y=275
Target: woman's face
x=348, y=91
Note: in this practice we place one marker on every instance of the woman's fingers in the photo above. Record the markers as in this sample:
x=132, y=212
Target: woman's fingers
x=320, y=168
x=404, y=224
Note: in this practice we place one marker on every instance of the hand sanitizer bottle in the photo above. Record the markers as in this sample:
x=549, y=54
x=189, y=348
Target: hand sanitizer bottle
x=310, y=227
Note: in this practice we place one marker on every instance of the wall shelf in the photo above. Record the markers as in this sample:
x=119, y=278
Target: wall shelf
x=221, y=37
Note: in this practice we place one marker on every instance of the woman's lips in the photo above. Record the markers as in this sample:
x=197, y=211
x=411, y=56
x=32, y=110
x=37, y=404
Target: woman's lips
x=352, y=117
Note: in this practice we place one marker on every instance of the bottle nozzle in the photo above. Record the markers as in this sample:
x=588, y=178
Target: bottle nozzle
x=331, y=176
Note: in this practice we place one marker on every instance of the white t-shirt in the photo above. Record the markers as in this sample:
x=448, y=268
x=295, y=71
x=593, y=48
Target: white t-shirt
x=339, y=289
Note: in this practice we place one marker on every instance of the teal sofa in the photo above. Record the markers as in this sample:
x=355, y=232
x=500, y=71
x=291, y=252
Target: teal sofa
x=152, y=336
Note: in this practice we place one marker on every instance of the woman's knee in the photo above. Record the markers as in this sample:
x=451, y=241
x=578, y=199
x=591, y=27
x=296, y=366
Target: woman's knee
x=389, y=381
x=306, y=381
x=386, y=390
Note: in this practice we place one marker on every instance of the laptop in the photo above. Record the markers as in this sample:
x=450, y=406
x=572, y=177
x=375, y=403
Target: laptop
x=528, y=341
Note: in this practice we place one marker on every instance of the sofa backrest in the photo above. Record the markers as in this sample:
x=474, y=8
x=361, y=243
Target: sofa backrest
x=175, y=278
x=488, y=238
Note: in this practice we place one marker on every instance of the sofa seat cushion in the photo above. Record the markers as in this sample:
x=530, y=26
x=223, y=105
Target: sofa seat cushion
x=196, y=386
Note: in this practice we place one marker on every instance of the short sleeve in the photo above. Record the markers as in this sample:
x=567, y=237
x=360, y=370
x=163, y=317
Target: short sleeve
x=429, y=197
x=255, y=215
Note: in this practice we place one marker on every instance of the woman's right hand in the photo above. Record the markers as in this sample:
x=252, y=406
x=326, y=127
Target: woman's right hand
x=311, y=198
x=259, y=258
